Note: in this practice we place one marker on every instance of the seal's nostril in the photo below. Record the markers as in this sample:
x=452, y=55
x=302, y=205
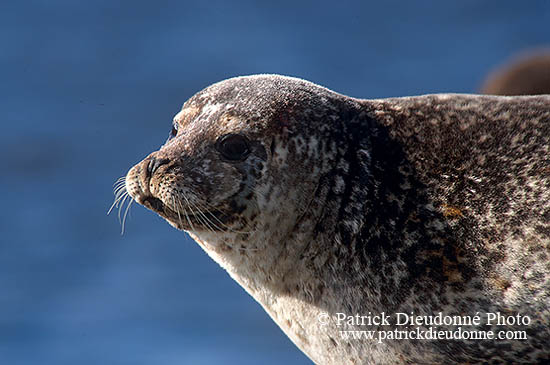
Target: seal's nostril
x=155, y=163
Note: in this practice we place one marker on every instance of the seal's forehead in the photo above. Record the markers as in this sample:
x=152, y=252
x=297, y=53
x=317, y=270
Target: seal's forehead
x=258, y=90
x=229, y=105
x=257, y=104
x=186, y=114
x=214, y=119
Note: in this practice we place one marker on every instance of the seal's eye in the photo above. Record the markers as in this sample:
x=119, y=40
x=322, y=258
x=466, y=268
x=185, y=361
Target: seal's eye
x=233, y=146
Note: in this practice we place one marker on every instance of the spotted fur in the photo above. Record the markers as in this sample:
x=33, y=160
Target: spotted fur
x=436, y=203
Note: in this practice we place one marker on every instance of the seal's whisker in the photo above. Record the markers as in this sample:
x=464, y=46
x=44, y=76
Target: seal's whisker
x=185, y=212
x=125, y=196
x=120, y=195
x=208, y=210
x=177, y=208
x=119, y=188
x=119, y=191
x=227, y=226
x=243, y=249
x=191, y=209
x=113, y=205
x=119, y=206
x=120, y=179
x=209, y=207
x=125, y=214
x=247, y=249
x=205, y=219
x=194, y=211
x=201, y=220
x=118, y=185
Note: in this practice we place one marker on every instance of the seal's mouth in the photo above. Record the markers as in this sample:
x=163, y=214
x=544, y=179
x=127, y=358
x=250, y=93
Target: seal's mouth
x=182, y=220
x=155, y=204
x=159, y=207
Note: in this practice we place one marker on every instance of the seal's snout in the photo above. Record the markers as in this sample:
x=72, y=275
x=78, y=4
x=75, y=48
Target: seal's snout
x=155, y=163
x=137, y=181
x=145, y=183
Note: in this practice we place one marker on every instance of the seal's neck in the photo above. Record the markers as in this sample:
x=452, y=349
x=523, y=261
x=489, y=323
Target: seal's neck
x=273, y=261
x=306, y=250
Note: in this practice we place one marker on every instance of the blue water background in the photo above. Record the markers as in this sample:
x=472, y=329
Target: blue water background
x=87, y=89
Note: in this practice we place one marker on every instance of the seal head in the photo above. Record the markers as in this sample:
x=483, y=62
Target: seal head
x=241, y=152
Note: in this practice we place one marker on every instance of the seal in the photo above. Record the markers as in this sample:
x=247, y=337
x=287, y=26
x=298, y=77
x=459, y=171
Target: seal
x=340, y=214
x=526, y=74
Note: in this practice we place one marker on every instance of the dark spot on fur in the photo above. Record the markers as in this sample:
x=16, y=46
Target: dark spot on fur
x=272, y=146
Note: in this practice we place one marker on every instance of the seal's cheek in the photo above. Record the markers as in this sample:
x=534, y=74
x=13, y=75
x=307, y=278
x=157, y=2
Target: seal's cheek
x=223, y=185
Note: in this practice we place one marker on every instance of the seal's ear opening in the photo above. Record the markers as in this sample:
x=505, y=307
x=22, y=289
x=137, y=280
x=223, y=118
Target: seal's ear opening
x=272, y=146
